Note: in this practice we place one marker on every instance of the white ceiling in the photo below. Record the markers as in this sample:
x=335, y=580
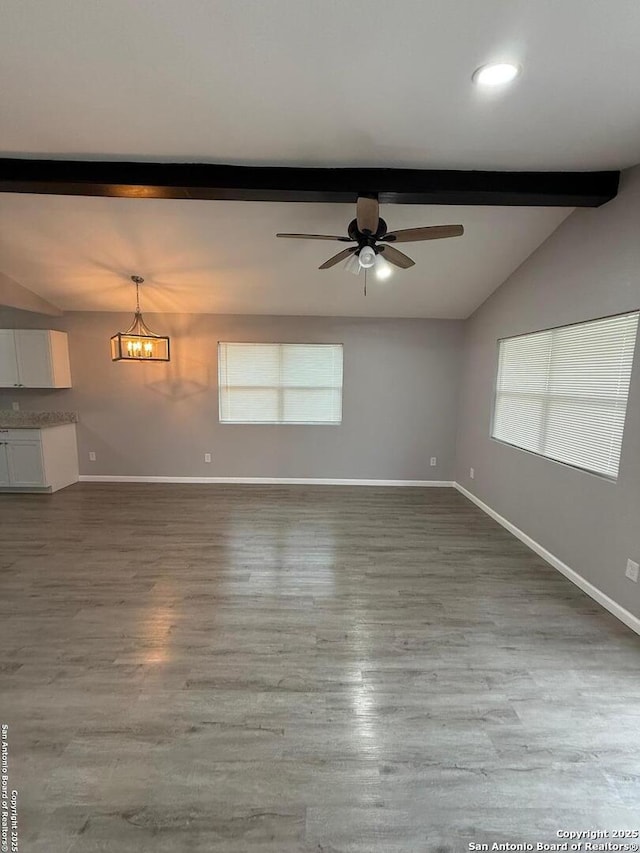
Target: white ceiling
x=293, y=82
x=363, y=82
x=223, y=257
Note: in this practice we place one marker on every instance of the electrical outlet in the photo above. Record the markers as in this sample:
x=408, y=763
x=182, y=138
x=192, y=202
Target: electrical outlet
x=15, y=407
x=632, y=571
x=92, y=456
x=207, y=457
x=433, y=462
x=472, y=473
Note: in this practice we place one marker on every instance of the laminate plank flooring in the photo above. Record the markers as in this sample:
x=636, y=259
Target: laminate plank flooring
x=260, y=669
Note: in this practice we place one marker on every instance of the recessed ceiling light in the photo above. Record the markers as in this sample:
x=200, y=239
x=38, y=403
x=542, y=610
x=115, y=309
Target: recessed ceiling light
x=495, y=74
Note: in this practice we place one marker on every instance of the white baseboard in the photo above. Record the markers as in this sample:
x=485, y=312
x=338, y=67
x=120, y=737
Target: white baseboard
x=602, y=598
x=265, y=481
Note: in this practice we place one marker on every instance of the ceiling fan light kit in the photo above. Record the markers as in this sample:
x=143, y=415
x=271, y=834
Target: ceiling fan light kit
x=382, y=267
x=367, y=257
x=373, y=241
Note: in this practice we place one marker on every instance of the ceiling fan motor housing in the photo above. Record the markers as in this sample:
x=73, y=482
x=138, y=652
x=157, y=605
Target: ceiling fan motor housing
x=366, y=239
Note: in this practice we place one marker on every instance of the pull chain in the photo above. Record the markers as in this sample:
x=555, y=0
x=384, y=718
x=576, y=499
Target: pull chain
x=365, y=281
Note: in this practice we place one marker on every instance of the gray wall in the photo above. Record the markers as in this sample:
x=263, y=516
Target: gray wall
x=589, y=267
x=399, y=408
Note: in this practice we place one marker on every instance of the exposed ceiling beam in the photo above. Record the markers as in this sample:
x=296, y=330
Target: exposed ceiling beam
x=268, y=183
x=15, y=295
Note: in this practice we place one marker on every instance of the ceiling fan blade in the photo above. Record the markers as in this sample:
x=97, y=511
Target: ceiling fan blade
x=341, y=256
x=396, y=257
x=367, y=214
x=316, y=237
x=431, y=232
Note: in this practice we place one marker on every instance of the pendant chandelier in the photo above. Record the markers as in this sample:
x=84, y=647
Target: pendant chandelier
x=139, y=343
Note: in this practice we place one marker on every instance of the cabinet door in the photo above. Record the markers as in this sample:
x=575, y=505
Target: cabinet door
x=8, y=359
x=4, y=464
x=60, y=367
x=34, y=358
x=25, y=463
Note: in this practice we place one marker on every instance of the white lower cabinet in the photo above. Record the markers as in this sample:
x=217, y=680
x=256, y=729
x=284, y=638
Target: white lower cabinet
x=39, y=460
x=26, y=467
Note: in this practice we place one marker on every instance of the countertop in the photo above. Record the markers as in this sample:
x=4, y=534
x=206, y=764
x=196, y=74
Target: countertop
x=35, y=420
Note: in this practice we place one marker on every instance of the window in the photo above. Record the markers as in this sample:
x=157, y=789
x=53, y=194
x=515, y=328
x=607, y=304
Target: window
x=280, y=383
x=563, y=393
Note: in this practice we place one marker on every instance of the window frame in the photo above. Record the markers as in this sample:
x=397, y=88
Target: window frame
x=281, y=389
x=601, y=475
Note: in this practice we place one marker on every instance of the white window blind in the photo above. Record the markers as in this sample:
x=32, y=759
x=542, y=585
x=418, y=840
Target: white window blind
x=280, y=383
x=563, y=392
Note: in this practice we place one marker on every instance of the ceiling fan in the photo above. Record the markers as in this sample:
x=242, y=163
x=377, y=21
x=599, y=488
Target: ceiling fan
x=374, y=243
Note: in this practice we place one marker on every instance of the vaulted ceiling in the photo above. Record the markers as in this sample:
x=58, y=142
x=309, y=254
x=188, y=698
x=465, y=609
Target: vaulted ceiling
x=223, y=257
x=297, y=82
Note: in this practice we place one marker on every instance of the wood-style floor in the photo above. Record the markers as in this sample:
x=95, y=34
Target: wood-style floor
x=215, y=669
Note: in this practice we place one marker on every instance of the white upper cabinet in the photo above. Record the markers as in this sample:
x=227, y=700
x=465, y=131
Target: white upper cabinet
x=8, y=359
x=34, y=358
